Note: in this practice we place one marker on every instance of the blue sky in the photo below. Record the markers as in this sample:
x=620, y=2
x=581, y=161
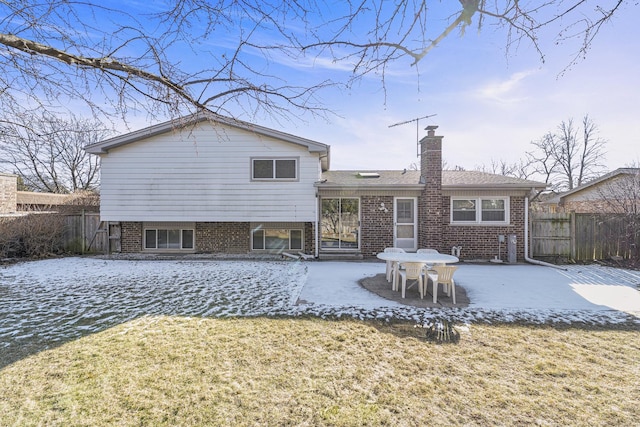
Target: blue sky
x=488, y=106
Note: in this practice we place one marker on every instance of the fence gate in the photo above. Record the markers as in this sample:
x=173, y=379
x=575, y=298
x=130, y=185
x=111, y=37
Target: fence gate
x=86, y=233
x=83, y=233
x=551, y=235
x=115, y=244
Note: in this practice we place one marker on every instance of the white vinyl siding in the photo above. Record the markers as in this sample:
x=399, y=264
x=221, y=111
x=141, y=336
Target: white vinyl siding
x=480, y=210
x=204, y=174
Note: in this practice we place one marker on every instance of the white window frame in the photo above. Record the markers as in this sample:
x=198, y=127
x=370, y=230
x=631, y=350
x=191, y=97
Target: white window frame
x=157, y=229
x=288, y=230
x=275, y=163
x=478, y=214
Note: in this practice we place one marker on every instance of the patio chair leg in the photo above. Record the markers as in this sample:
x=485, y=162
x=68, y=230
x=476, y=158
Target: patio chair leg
x=453, y=291
x=435, y=291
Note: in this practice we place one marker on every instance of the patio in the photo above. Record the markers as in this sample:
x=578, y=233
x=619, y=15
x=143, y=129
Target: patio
x=499, y=288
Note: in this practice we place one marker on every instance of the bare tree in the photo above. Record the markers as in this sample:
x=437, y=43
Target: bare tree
x=118, y=59
x=521, y=169
x=47, y=152
x=620, y=195
x=569, y=157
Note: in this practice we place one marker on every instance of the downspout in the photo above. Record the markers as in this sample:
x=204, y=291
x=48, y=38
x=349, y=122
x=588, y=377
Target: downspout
x=526, y=240
x=317, y=223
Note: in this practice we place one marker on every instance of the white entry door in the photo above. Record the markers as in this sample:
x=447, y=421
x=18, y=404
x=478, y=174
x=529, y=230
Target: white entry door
x=406, y=223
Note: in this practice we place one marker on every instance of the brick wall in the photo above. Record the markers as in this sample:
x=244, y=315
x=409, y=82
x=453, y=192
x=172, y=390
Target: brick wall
x=211, y=237
x=376, y=225
x=309, y=238
x=131, y=237
x=223, y=237
x=481, y=242
x=590, y=206
x=8, y=191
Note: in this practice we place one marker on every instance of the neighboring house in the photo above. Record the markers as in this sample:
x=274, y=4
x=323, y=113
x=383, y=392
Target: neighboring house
x=13, y=202
x=217, y=185
x=8, y=187
x=545, y=203
x=615, y=192
x=31, y=201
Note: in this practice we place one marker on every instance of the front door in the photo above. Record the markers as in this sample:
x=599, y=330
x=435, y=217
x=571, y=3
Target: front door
x=406, y=223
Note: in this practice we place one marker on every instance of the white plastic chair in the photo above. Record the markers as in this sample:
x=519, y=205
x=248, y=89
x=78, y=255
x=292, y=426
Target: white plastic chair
x=443, y=274
x=412, y=271
x=391, y=264
x=427, y=268
x=427, y=251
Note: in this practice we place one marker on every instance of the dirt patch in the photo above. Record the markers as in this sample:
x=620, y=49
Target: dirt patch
x=627, y=264
x=378, y=285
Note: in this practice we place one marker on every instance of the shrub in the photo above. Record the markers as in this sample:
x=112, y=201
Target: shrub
x=31, y=236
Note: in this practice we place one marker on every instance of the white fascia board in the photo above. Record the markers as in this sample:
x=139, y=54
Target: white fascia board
x=104, y=146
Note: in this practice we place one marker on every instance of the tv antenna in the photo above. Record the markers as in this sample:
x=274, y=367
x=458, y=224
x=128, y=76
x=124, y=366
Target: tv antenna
x=417, y=120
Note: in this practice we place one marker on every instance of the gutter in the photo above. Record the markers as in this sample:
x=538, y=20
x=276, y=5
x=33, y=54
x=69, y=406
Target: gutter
x=526, y=241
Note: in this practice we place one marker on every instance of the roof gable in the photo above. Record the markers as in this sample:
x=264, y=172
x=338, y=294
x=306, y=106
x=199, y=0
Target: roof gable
x=103, y=147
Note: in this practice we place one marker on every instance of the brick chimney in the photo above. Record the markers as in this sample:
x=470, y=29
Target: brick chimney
x=430, y=203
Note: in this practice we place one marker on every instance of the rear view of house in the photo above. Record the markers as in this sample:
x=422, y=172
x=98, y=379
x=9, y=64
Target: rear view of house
x=212, y=184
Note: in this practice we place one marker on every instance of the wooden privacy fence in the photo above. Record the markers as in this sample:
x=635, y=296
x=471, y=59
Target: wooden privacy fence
x=84, y=233
x=583, y=237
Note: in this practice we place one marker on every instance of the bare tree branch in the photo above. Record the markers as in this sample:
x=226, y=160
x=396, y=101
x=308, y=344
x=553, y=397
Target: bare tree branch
x=117, y=60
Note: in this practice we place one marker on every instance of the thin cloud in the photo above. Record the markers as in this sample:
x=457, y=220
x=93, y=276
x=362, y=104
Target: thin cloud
x=506, y=91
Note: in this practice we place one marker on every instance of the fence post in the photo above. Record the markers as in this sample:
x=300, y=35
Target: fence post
x=573, y=235
x=83, y=233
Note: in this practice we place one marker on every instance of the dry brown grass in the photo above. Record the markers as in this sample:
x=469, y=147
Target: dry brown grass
x=180, y=371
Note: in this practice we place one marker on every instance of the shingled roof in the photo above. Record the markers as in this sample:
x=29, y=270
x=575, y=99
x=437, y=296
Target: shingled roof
x=411, y=179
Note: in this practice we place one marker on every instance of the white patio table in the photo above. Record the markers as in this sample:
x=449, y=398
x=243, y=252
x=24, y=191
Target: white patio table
x=425, y=258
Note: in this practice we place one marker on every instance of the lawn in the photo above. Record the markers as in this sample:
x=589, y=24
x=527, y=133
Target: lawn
x=171, y=370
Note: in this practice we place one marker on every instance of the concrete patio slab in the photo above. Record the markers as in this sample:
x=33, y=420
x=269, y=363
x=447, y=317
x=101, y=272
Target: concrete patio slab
x=491, y=286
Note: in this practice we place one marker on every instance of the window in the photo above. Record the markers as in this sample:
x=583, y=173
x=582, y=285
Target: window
x=270, y=169
x=463, y=210
x=168, y=239
x=493, y=210
x=276, y=239
x=480, y=210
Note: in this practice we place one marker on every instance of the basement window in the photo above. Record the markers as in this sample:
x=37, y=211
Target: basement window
x=276, y=239
x=168, y=239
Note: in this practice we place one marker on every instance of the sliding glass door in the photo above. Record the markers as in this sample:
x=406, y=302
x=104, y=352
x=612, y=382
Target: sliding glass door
x=340, y=223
